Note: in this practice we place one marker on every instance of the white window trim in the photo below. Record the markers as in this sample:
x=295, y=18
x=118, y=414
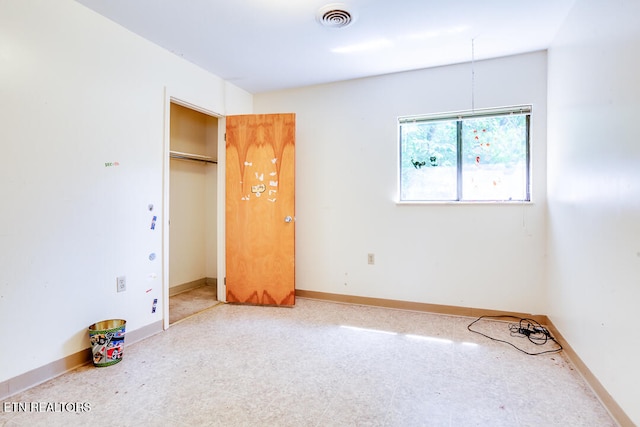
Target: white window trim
x=525, y=109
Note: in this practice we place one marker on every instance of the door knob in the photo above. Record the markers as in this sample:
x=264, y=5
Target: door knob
x=288, y=219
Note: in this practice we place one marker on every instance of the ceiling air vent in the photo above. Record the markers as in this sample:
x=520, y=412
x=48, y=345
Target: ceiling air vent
x=334, y=15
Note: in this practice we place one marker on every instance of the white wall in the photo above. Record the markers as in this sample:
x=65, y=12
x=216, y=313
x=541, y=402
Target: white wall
x=77, y=92
x=594, y=191
x=485, y=256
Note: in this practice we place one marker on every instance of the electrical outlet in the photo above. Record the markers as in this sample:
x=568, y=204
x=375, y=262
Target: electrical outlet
x=121, y=283
x=371, y=259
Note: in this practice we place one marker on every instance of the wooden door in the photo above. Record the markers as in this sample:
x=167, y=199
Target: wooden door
x=260, y=201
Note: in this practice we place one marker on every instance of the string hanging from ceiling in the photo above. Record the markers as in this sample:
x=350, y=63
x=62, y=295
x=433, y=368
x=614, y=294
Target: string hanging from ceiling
x=473, y=75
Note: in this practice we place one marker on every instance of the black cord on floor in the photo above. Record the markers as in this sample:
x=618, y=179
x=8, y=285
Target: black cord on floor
x=524, y=328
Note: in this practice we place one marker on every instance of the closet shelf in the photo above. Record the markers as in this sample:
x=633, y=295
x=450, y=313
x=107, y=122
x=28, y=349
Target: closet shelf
x=189, y=156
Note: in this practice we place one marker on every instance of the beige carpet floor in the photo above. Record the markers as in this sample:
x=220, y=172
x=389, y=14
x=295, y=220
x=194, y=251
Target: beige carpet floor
x=190, y=302
x=320, y=364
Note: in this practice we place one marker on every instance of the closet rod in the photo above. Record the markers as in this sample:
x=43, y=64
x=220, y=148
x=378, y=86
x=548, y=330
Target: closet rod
x=188, y=156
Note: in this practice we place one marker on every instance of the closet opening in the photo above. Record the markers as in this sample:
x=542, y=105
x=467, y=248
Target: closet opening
x=193, y=212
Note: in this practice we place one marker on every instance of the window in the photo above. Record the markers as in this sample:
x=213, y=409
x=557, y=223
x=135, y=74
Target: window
x=470, y=156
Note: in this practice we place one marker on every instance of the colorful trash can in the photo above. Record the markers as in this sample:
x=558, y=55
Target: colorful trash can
x=107, y=341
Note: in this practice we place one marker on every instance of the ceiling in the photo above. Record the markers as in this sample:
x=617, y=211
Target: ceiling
x=265, y=45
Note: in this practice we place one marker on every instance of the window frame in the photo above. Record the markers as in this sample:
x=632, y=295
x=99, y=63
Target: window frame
x=459, y=117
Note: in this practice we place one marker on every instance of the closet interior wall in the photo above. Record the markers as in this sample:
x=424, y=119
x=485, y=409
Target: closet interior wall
x=192, y=200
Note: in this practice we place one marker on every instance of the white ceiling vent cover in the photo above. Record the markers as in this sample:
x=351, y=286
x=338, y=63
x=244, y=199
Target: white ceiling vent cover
x=335, y=15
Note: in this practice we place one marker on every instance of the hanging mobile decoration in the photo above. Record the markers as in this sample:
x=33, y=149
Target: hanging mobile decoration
x=477, y=138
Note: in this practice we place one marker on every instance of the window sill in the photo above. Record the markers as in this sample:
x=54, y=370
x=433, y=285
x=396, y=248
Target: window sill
x=465, y=203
